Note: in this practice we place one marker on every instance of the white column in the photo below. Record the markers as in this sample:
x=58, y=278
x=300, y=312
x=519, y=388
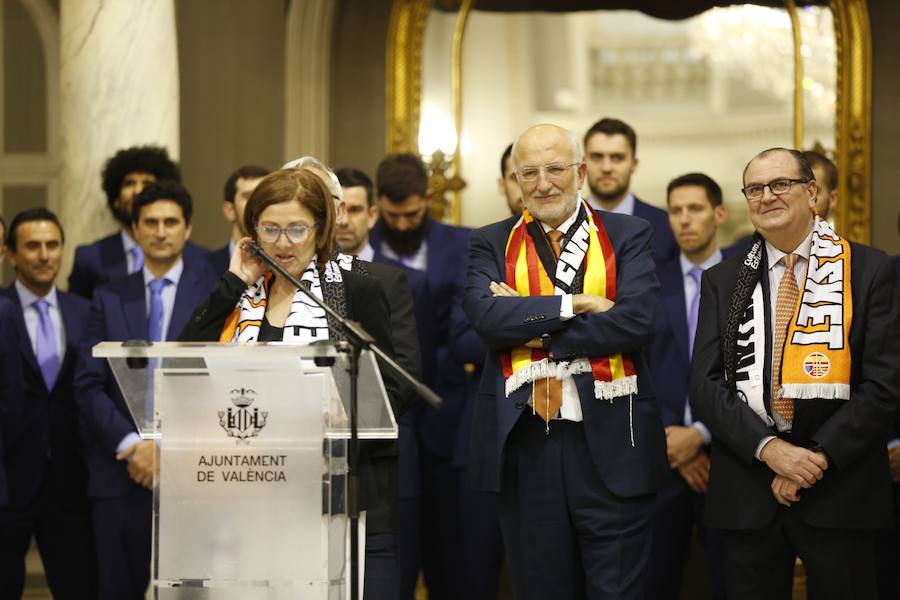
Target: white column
x=118, y=88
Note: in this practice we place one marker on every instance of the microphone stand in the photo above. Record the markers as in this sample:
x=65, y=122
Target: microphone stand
x=359, y=339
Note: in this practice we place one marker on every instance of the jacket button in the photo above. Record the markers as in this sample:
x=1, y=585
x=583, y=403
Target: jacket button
x=519, y=404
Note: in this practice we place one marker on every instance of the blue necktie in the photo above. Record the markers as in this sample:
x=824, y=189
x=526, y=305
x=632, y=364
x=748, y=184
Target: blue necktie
x=695, y=274
x=137, y=259
x=155, y=317
x=47, y=356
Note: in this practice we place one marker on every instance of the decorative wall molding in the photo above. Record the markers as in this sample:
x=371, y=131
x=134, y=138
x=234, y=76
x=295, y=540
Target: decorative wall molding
x=308, y=39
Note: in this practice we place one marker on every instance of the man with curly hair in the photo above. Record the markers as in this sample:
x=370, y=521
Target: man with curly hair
x=124, y=176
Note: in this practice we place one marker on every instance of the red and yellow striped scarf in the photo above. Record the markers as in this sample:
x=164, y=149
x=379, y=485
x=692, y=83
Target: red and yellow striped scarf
x=614, y=376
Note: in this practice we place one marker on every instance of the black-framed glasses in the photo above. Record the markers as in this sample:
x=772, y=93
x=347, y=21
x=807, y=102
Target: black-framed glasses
x=778, y=187
x=553, y=170
x=296, y=234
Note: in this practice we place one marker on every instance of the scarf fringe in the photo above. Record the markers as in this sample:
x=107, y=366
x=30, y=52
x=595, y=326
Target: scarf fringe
x=811, y=391
x=608, y=390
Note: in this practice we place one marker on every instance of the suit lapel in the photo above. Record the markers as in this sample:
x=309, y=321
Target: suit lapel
x=134, y=306
x=27, y=350
x=672, y=297
x=187, y=297
x=113, y=256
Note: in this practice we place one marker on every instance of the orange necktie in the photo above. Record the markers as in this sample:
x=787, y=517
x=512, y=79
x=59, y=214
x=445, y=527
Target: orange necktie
x=546, y=394
x=788, y=293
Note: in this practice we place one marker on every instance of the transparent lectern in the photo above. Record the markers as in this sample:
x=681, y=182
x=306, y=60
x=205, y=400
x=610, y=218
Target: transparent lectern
x=250, y=499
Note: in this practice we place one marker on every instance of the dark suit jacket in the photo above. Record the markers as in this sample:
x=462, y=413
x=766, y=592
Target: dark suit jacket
x=219, y=259
x=45, y=442
x=11, y=401
x=104, y=260
x=664, y=246
x=668, y=354
x=445, y=274
x=504, y=323
x=367, y=304
x=855, y=491
x=119, y=313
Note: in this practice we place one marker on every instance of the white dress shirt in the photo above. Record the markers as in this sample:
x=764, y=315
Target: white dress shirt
x=775, y=270
x=32, y=318
x=690, y=290
x=571, y=403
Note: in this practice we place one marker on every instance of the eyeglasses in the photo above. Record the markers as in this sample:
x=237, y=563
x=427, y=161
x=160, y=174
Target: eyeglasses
x=554, y=171
x=776, y=186
x=296, y=234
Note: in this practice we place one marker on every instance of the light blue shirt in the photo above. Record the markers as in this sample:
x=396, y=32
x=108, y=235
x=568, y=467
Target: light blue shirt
x=690, y=290
x=418, y=261
x=367, y=253
x=168, y=301
x=625, y=207
x=32, y=318
x=167, y=294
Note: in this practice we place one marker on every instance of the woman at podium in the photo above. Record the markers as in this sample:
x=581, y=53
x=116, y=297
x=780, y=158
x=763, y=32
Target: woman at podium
x=291, y=215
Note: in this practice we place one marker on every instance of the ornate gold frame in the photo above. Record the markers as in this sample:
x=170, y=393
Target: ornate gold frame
x=853, y=115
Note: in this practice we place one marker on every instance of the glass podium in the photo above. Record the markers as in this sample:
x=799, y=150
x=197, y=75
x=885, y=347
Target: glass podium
x=250, y=495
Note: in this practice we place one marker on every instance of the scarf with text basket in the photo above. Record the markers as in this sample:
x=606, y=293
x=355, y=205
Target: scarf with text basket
x=586, y=264
x=815, y=362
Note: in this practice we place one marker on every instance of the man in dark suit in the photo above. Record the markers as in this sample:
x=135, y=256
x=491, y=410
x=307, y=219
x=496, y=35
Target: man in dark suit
x=412, y=326
x=11, y=403
x=238, y=187
x=799, y=466
x=124, y=176
x=695, y=212
x=566, y=428
x=610, y=153
x=154, y=303
x=44, y=459
x=406, y=234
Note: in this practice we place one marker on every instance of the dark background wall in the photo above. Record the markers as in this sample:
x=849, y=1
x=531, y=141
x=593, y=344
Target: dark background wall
x=231, y=62
x=884, y=16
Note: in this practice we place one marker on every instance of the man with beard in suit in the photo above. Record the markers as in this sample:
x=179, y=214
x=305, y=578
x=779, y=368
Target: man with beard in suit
x=152, y=304
x=794, y=373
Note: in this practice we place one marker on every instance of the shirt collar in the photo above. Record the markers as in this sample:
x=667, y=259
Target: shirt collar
x=626, y=206
x=687, y=265
x=774, y=254
x=127, y=241
x=173, y=274
x=565, y=225
x=27, y=297
x=367, y=253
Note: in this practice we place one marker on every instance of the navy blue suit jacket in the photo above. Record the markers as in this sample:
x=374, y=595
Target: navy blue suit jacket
x=445, y=275
x=11, y=404
x=104, y=260
x=664, y=246
x=219, y=259
x=504, y=323
x=43, y=442
x=119, y=313
x=668, y=354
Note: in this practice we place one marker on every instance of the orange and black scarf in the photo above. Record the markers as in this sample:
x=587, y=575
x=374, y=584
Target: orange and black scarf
x=587, y=265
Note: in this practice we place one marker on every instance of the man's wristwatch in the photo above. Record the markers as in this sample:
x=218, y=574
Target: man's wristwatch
x=545, y=342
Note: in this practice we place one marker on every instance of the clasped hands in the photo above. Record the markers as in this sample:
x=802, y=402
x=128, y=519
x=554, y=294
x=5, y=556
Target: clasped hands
x=581, y=303
x=683, y=445
x=794, y=468
x=142, y=459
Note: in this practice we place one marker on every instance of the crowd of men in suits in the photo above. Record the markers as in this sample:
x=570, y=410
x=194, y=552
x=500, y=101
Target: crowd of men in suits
x=591, y=415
